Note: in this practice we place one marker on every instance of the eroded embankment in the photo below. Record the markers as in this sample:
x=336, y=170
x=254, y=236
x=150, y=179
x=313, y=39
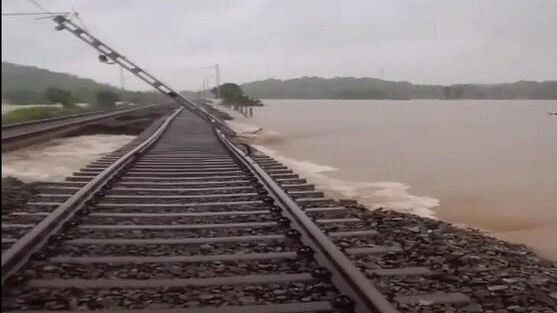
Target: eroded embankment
x=25, y=169
x=336, y=183
x=15, y=193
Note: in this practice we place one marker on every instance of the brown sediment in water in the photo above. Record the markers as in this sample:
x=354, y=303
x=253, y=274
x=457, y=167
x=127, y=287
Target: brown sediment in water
x=516, y=216
x=534, y=230
x=541, y=238
x=56, y=159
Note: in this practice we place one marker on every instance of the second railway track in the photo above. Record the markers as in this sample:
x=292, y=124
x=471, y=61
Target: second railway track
x=190, y=223
x=20, y=134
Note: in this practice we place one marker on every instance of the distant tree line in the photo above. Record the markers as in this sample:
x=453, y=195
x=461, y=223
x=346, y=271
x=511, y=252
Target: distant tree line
x=105, y=98
x=371, y=88
x=66, y=96
x=232, y=94
x=28, y=85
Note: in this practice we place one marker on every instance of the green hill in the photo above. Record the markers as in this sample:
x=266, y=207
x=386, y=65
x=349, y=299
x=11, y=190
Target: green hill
x=26, y=84
x=372, y=88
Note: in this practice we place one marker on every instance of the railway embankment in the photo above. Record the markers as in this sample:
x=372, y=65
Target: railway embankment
x=194, y=224
x=503, y=276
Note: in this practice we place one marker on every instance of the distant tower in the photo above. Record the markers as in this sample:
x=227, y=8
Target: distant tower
x=381, y=73
x=122, y=77
x=217, y=69
x=207, y=88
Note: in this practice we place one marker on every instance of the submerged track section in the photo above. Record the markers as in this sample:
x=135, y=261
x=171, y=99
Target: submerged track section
x=188, y=222
x=21, y=134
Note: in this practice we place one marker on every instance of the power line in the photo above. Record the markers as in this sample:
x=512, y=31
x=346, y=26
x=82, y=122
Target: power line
x=39, y=5
x=79, y=19
x=34, y=13
x=42, y=8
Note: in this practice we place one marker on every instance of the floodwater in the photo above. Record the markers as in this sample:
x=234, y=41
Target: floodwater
x=485, y=164
x=56, y=159
x=6, y=107
x=11, y=107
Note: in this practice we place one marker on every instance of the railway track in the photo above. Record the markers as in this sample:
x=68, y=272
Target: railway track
x=187, y=222
x=25, y=133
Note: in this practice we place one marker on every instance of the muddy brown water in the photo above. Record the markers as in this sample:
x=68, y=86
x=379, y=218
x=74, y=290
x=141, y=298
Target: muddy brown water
x=56, y=159
x=488, y=164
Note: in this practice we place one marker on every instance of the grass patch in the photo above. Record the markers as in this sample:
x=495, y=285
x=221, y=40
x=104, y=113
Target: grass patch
x=37, y=113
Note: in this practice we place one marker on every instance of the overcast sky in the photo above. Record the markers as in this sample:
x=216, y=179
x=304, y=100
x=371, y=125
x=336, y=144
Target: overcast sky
x=481, y=41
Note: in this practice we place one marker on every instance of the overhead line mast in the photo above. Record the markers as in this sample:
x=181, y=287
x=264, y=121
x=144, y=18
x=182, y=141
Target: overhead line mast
x=107, y=53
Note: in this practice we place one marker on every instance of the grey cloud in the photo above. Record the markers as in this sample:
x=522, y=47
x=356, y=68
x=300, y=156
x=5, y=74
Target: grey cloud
x=420, y=41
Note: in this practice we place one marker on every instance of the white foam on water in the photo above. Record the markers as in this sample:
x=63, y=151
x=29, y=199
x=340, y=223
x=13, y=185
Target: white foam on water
x=56, y=159
x=243, y=127
x=389, y=195
x=252, y=132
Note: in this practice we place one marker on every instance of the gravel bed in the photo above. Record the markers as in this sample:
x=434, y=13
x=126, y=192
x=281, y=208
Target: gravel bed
x=333, y=214
x=22, y=219
x=362, y=242
x=300, y=188
x=173, y=220
x=498, y=276
x=191, y=209
x=351, y=226
x=171, y=250
x=39, y=198
x=43, y=270
x=214, y=162
x=38, y=208
x=196, y=185
x=169, y=176
x=164, y=298
x=56, y=191
x=156, y=200
x=14, y=232
x=199, y=171
x=329, y=203
x=411, y=285
x=246, y=189
x=16, y=193
x=445, y=308
x=175, y=234
x=200, y=180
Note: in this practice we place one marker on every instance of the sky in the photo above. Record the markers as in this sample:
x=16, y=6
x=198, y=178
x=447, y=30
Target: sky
x=428, y=42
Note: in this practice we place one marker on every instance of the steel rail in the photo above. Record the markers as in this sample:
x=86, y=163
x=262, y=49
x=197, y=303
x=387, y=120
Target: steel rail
x=350, y=280
x=46, y=120
x=53, y=119
x=94, y=117
x=19, y=253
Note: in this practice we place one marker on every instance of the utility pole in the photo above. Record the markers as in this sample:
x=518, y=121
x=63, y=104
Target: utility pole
x=122, y=78
x=217, y=68
x=107, y=53
x=208, y=87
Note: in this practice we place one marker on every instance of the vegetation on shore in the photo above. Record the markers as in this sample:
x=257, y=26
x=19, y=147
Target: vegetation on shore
x=23, y=84
x=58, y=95
x=372, y=88
x=106, y=100
x=231, y=94
x=37, y=113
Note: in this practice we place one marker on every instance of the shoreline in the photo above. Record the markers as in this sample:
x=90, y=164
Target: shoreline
x=497, y=276
x=434, y=213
